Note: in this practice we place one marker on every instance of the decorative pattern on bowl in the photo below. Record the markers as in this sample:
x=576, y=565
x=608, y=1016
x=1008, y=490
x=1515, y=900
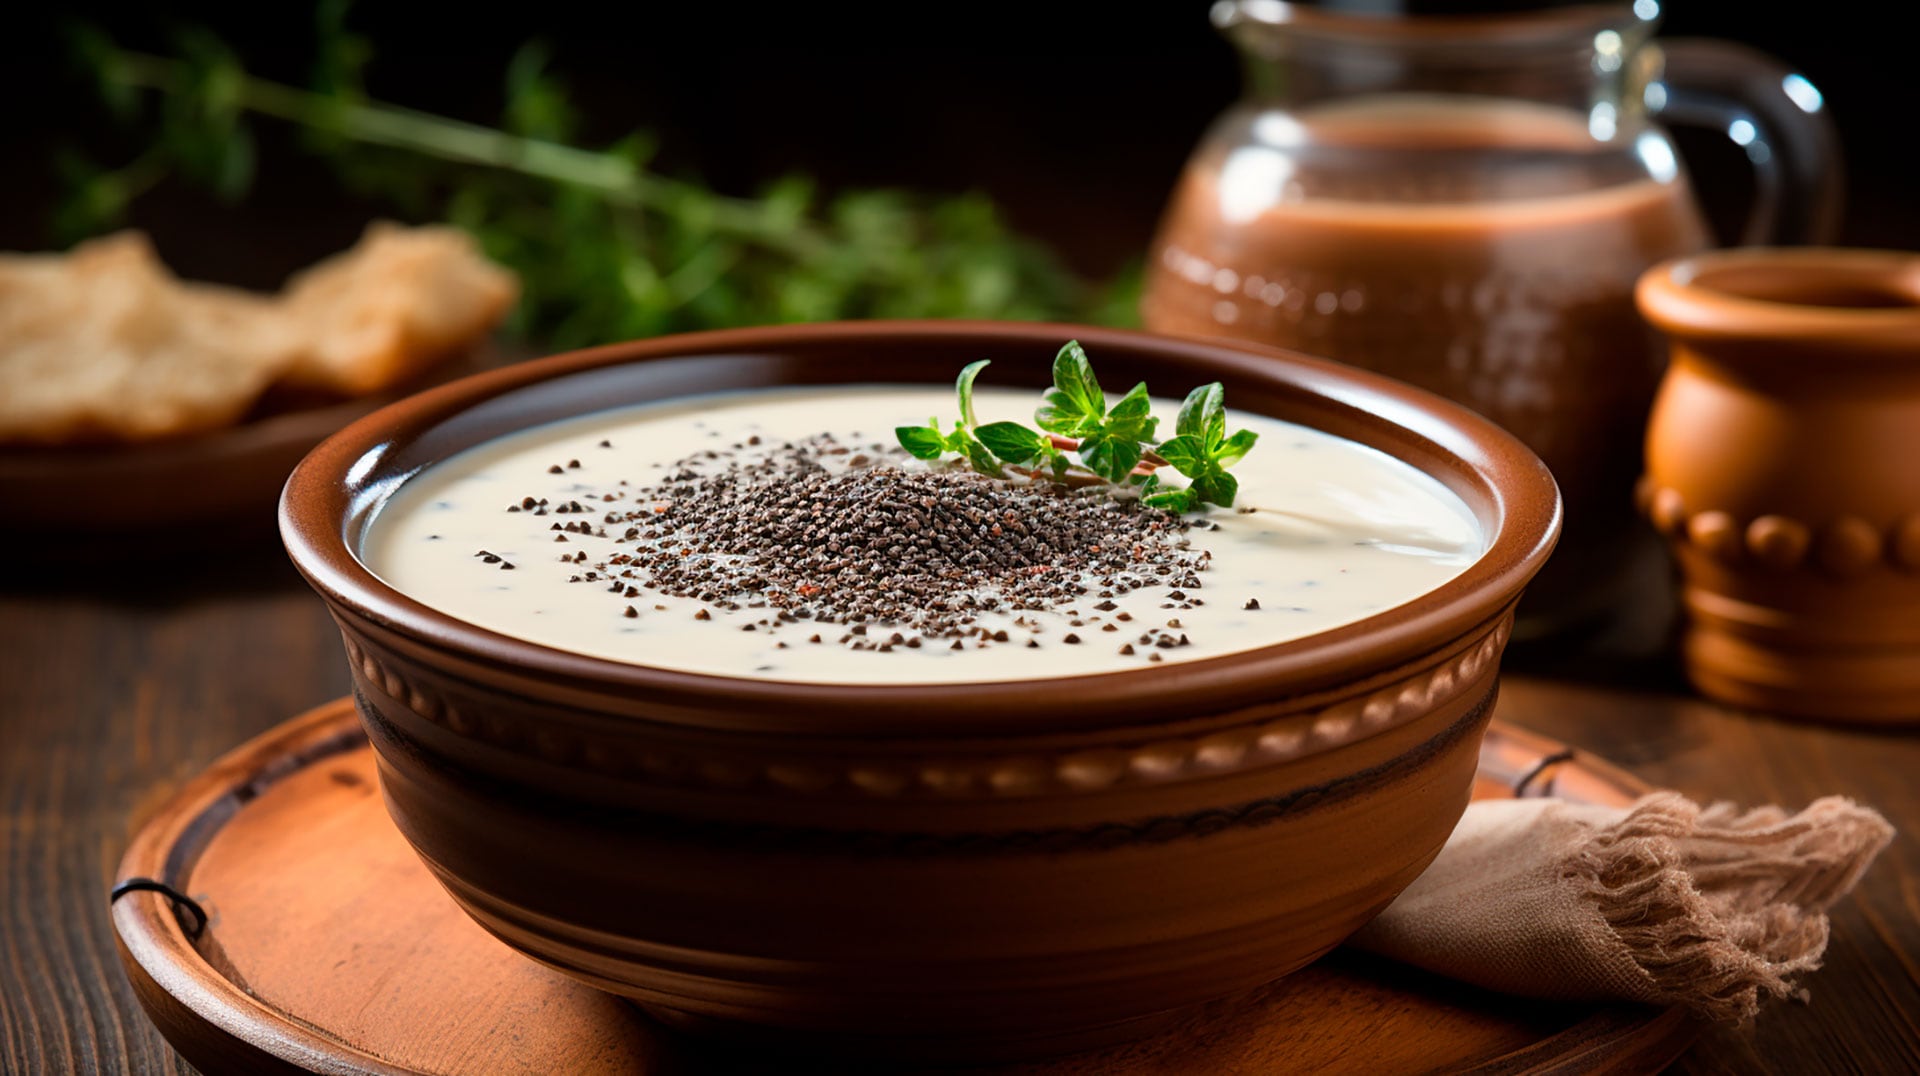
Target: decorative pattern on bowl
x=1255, y=737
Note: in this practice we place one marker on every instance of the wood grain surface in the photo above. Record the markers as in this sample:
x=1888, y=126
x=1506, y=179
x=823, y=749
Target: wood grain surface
x=120, y=679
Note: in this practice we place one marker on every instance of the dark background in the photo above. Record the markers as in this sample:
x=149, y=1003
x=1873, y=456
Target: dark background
x=1075, y=116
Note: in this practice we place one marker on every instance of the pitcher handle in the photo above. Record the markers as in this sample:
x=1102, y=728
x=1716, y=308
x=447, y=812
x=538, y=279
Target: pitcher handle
x=1777, y=116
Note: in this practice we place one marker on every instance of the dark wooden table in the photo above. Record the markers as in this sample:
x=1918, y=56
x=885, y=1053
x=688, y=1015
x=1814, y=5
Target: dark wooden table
x=119, y=680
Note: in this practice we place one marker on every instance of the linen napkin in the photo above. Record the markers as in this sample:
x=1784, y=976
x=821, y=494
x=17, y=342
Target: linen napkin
x=1664, y=901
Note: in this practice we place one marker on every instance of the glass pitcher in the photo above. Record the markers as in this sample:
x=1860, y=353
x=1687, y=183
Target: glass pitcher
x=1464, y=202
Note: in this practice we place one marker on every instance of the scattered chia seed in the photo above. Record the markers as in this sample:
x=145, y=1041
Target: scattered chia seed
x=914, y=554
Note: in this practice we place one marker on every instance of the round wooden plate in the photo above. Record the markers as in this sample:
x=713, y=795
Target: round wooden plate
x=328, y=948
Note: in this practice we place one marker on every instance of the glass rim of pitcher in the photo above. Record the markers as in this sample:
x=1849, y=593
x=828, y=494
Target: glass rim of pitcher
x=1562, y=25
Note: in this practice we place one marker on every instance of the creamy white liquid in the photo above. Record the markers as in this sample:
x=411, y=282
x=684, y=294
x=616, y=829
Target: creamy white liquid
x=1339, y=532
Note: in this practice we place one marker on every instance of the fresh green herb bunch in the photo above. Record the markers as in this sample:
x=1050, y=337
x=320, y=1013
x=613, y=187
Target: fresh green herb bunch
x=1082, y=441
x=605, y=248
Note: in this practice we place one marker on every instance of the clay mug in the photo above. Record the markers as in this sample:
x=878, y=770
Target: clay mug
x=1461, y=195
x=1783, y=465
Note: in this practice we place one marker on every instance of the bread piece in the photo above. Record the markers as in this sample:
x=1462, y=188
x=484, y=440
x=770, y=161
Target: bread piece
x=105, y=344
x=399, y=300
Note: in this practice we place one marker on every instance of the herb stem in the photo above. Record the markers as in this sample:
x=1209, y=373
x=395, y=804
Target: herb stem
x=1149, y=459
x=1076, y=478
x=618, y=180
x=140, y=175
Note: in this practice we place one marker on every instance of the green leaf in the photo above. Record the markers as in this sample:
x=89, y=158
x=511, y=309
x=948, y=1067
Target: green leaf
x=339, y=55
x=1132, y=418
x=235, y=165
x=1203, y=415
x=1216, y=487
x=921, y=442
x=1073, y=376
x=1171, y=500
x=537, y=104
x=1186, y=454
x=1112, y=458
x=1075, y=405
x=963, y=386
x=1234, y=448
x=96, y=52
x=95, y=199
x=1061, y=414
x=787, y=200
x=982, y=460
x=636, y=149
x=1011, y=441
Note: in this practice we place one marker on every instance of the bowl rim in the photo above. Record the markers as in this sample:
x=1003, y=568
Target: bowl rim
x=1522, y=500
x=1688, y=298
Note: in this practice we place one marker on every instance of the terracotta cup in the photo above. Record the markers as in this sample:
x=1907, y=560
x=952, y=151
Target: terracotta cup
x=1783, y=464
x=994, y=869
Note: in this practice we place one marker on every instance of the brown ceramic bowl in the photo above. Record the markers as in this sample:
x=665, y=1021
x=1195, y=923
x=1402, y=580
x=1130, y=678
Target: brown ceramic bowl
x=981, y=870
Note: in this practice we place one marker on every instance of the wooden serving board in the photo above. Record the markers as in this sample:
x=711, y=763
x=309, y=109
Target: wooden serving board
x=329, y=948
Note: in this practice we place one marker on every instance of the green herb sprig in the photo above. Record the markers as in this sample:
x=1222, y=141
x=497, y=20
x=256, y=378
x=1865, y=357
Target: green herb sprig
x=607, y=246
x=1081, y=441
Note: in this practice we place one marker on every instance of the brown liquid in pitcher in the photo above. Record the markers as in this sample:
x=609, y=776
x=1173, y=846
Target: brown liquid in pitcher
x=1477, y=250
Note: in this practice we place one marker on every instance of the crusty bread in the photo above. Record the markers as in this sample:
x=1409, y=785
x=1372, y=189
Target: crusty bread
x=105, y=344
x=383, y=311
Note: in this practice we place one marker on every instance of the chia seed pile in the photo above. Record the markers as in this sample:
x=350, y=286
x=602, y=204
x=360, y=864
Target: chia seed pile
x=868, y=550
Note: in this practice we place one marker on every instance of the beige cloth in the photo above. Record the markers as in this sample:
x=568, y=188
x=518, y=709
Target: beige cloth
x=1663, y=902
